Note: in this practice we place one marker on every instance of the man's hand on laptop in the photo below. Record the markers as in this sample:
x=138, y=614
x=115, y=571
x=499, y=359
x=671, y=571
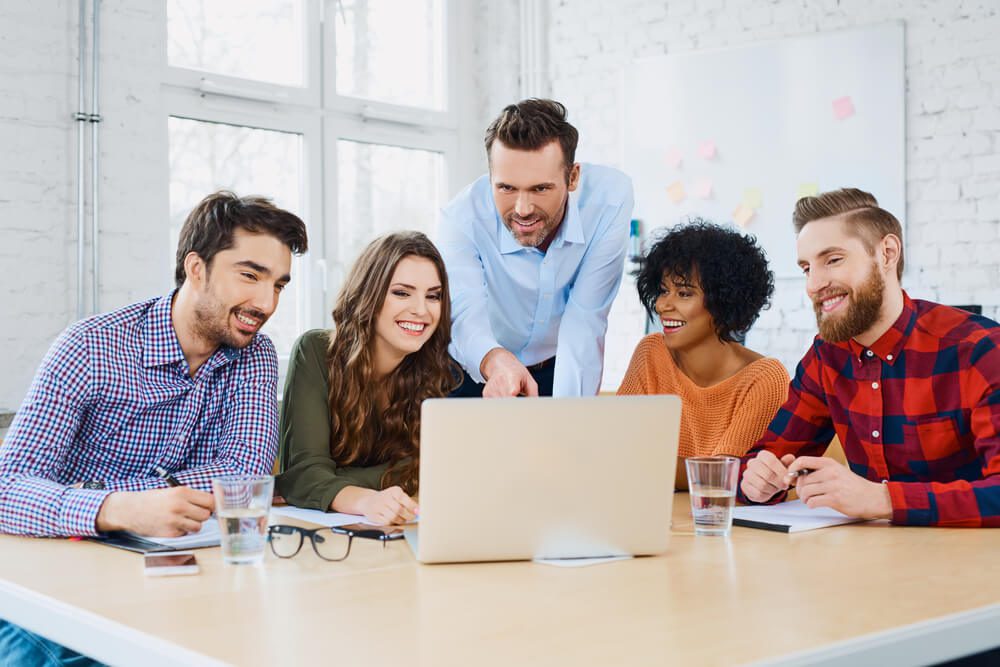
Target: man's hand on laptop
x=388, y=506
x=506, y=375
x=169, y=512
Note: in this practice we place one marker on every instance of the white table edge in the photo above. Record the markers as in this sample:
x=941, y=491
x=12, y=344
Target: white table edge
x=91, y=634
x=922, y=643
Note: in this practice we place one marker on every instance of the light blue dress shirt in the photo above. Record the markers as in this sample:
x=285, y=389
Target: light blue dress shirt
x=538, y=304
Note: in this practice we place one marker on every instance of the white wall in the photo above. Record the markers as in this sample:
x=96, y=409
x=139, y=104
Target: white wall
x=38, y=96
x=952, y=128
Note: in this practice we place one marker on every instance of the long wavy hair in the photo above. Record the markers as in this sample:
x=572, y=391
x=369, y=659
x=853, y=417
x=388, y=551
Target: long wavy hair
x=360, y=433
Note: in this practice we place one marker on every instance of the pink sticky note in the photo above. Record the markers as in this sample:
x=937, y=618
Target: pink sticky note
x=706, y=149
x=843, y=107
x=676, y=192
x=742, y=215
x=703, y=189
x=674, y=157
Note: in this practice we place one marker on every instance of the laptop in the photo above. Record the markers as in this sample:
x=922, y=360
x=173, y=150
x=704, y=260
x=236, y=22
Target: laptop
x=517, y=478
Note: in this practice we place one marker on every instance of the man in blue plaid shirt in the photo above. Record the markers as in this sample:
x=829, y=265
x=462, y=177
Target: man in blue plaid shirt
x=181, y=382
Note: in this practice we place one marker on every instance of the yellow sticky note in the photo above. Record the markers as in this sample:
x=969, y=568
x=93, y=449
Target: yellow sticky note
x=742, y=215
x=808, y=190
x=752, y=198
x=676, y=192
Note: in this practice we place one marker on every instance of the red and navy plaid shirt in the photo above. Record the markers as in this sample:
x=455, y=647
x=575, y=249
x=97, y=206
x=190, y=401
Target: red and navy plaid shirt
x=919, y=410
x=112, y=400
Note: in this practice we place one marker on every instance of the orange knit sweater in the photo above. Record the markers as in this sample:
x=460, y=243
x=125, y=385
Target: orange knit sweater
x=726, y=418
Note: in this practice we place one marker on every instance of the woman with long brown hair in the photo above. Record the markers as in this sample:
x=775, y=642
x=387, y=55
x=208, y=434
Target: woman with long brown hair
x=350, y=423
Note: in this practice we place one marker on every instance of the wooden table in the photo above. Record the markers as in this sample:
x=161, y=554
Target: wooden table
x=866, y=593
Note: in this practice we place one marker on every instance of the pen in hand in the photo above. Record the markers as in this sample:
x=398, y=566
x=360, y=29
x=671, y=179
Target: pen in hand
x=798, y=473
x=165, y=476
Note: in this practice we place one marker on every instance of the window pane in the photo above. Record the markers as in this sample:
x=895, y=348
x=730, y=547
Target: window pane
x=263, y=40
x=391, y=51
x=383, y=189
x=205, y=157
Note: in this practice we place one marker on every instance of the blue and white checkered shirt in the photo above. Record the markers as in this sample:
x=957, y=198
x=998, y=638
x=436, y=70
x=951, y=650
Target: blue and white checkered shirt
x=112, y=399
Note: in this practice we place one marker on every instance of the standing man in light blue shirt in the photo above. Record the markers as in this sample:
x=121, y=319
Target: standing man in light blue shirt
x=535, y=252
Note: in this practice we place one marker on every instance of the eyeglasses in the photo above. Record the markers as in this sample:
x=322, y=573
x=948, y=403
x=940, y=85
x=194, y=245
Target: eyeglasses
x=329, y=544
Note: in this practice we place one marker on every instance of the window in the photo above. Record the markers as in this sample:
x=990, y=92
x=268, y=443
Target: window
x=342, y=111
x=205, y=157
x=391, y=51
x=383, y=189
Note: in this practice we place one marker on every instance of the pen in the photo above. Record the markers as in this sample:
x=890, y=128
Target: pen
x=799, y=473
x=165, y=476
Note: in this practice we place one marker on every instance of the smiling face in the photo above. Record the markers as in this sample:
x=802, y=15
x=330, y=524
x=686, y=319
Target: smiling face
x=843, y=279
x=238, y=291
x=530, y=190
x=411, y=311
x=681, y=308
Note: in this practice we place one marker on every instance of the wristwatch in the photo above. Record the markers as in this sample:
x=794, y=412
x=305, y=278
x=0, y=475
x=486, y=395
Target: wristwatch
x=93, y=484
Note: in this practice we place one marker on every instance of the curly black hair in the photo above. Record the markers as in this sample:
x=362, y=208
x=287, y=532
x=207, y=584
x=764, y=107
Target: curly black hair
x=730, y=267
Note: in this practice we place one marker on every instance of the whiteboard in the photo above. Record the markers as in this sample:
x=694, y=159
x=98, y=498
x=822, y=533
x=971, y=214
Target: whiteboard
x=777, y=116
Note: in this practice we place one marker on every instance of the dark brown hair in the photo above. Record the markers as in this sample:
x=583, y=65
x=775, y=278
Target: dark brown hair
x=359, y=432
x=209, y=227
x=860, y=211
x=530, y=125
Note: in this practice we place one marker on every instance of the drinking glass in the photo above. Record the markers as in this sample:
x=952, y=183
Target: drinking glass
x=712, y=483
x=242, y=503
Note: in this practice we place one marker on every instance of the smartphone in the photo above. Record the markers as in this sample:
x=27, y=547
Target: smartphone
x=370, y=532
x=169, y=563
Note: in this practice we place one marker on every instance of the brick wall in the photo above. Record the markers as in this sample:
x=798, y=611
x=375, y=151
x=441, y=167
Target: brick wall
x=952, y=129
x=38, y=96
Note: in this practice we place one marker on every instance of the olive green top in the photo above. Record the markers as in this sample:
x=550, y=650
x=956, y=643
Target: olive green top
x=309, y=476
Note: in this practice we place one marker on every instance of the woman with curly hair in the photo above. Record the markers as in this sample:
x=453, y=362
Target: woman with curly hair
x=350, y=423
x=706, y=285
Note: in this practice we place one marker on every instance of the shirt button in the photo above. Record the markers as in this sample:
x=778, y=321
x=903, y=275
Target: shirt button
x=874, y=385
x=869, y=353
x=874, y=434
x=889, y=357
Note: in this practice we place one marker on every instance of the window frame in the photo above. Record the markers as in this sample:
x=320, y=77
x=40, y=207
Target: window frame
x=323, y=118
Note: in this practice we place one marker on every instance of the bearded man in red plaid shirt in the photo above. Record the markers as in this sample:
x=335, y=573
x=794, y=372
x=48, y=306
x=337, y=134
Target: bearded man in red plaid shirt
x=911, y=387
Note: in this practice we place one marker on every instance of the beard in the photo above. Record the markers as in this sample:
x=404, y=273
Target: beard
x=863, y=309
x=211, y=324
x=547, y=225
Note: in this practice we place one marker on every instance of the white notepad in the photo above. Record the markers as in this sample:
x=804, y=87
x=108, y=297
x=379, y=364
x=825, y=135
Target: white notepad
x=208, y=536
x=789, y=517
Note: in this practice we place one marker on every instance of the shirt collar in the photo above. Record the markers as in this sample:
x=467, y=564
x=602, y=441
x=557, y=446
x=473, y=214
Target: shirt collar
x=159, y=340
x=890, y=344
x=570, y=231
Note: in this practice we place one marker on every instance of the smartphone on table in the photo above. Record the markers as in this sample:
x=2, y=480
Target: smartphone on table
x=168, y=563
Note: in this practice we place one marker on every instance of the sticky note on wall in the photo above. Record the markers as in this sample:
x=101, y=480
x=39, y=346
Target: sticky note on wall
x=843, y=107
x=676, y=192
x=807, y=190
x=752, y=198
x=706, y=149
x=742, y=215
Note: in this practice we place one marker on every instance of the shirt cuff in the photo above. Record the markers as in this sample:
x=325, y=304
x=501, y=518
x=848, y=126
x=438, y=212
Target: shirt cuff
x=79, y=511
x=477, y=352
